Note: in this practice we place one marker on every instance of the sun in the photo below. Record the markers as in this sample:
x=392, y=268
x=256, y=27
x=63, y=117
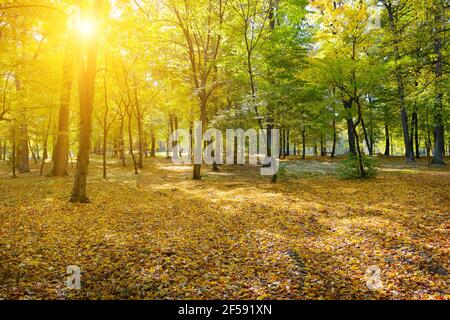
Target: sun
x=86, y=28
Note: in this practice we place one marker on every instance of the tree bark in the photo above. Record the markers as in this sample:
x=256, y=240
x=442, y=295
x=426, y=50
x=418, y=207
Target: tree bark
x=139, y=116
x=304, y=144
x=387, y=150
x=333, y=151
x=350, y=131
x=122, y=142
x=438, y=155
x=400, y=85
x=366, y=136
x=288, y=146
x=13, y=152
x=130, y=139
x=61, y=151
x=153, y=147
x=197, y=173
x=33, y=154
x=24, y=154
x=45, y=145
x=87, y=68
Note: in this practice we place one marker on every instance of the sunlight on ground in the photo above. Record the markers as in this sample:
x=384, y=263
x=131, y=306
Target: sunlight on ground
x=161, y=235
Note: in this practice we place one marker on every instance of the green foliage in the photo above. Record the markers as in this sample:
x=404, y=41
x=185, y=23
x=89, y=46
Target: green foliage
x=349, y=168
x=282, y=172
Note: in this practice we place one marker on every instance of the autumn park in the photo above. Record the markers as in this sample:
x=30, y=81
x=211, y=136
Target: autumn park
x=224, y=150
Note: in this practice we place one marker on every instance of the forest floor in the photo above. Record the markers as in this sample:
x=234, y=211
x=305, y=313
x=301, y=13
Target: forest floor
x=233, y=235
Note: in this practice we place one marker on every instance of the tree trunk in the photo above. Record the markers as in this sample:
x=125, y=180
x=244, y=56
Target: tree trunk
x=45, y=145
x=304, y=144
x=400, y=86
x=359, y=155
x=171, y=130
x=191, y=140
x=33, y=155
x=408, y=146
x=288, y=146
x=13, y=152
x=153, y=148
x=415, y=137
x=87, y=67
x=167, y=140
x=197, y=173
x=333, y=151
x=130, y=140
x=323, y=147
x=38, y=151
x=366, y=136
x=387, y=150
x=145, y=148
x=139, y=116
x=105, y=118
x=350, y=131
x=61, y=151
x=105, y=141
x=438, y=155
x=24, y=153
x=122, y=142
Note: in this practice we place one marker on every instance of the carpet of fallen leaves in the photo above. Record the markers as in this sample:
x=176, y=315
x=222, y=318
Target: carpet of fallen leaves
x=232, y=235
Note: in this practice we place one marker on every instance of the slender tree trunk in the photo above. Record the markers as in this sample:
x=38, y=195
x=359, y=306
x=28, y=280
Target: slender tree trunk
x=171, y=130
x=105, y=118
x=145, y=148
x=197, y=174
x=438, y=155
x=408, y=146
x=369, y=145
x=13, y=152
x=105, y=144
x=47, y=133
x=304, y=144
x=270, y=126
x=350, y=131
x=323, y=147
x=33, y=155
x=400, y=83
x=333, y=151
x=359, y=155
x=288, y=145
x=130, y=139
x=122, y=142
x=38, y=151
x=24, y=154
x=153, y=147
x=387, y=150
x=87, y=68
x=191, y=140
x=61, y=150
x=139, y=116
x=167, y=140
x=415, y=137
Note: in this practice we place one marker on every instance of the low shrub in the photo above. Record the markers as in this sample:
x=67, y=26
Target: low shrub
x=349, y=168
